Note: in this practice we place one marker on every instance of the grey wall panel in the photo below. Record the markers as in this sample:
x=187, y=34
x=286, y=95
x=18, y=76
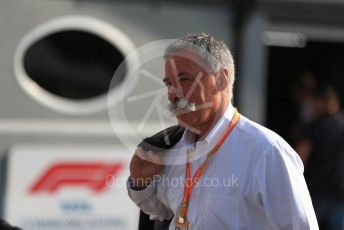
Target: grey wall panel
x=141, y=22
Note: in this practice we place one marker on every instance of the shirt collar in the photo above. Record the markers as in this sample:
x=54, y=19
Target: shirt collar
x=215, y=133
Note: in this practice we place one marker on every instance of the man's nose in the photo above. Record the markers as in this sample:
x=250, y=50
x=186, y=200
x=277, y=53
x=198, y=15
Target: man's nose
x=174, y=93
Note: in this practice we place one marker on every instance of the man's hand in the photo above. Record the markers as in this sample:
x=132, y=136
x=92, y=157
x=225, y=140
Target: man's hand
x=143, y=167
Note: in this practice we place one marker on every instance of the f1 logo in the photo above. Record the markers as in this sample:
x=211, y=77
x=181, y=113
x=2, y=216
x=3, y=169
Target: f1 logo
x=66, y=174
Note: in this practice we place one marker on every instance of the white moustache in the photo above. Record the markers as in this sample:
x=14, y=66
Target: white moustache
x=182, y=104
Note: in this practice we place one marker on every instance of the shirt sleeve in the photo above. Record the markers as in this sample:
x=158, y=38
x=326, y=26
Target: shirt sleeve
x=282, y=190
x=149, y=203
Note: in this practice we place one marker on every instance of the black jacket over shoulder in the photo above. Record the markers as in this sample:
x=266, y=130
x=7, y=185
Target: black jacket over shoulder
x=159, y=142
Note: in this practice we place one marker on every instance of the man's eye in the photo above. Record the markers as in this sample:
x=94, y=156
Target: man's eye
x=185, y=79
x=167, y=83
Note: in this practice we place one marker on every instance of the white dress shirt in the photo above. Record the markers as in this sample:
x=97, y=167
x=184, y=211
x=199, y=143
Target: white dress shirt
x=255, y=181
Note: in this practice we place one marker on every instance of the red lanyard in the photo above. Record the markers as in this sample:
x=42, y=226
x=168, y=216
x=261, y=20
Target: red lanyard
x=189, y=183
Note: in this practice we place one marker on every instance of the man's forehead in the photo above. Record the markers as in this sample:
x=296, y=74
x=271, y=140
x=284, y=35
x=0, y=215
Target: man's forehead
x=177, y=68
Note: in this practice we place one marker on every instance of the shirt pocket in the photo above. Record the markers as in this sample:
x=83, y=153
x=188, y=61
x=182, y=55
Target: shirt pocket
x=221, y=211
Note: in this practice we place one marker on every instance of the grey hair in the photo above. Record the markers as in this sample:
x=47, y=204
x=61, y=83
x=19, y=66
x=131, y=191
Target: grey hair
x=213, y=52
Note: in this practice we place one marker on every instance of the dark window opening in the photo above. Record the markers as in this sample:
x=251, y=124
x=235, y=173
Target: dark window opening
x=323, y=60
x=73, y=64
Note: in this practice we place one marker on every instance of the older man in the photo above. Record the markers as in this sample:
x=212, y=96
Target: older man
x=231, y=173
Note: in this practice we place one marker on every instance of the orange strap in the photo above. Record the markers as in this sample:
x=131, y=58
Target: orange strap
x=190, y=182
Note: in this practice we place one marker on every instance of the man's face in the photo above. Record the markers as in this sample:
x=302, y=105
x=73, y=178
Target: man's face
x=187, y=77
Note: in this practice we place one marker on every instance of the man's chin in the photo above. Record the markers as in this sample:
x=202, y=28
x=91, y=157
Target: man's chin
x=186, y=119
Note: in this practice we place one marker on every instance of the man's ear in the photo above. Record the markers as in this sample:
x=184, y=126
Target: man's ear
x=222, y=79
